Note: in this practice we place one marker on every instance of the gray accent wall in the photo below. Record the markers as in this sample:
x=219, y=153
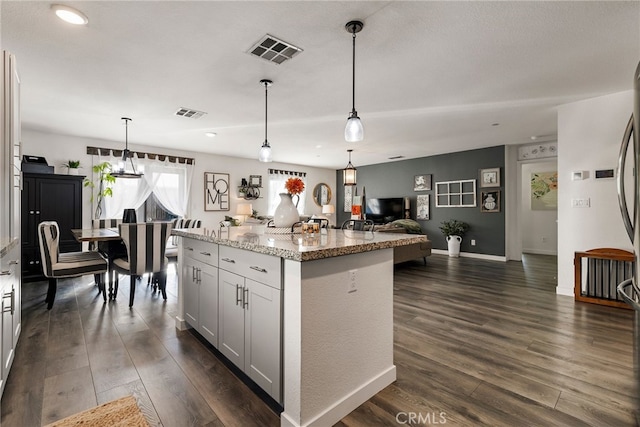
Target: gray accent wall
x=395, y=179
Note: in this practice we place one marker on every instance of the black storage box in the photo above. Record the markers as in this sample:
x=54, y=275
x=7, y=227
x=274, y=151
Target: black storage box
x=35, y=164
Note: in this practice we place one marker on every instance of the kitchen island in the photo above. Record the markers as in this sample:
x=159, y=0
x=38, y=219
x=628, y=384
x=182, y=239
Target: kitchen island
x=309, y=318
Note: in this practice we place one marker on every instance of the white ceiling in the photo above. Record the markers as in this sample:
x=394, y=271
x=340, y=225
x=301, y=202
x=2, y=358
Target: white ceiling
x=431, y=77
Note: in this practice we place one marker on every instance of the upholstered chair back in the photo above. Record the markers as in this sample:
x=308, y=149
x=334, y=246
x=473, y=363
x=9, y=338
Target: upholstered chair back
x=146, y=244
x=49, y=237
x=106, y=223
x=184, y=223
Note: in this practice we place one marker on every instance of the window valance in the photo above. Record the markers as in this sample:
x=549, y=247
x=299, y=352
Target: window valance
x=100, y=151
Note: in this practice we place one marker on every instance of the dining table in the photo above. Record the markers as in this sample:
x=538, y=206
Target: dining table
x=109, y=244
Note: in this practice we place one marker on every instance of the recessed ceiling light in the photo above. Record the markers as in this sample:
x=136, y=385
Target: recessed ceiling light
x=211, y=134
x=70, y=15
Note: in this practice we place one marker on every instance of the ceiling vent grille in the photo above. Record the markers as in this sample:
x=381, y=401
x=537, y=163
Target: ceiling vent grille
x=190, y=113
x=274, y=50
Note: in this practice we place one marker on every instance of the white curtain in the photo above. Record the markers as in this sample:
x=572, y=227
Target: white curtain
x=170, y=182
x=171, y=185
x=127, y=193
x=277, y=178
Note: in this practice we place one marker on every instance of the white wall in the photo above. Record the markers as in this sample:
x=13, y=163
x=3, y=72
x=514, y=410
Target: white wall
x=539, y=229
x=589, y=137
x=58, y=149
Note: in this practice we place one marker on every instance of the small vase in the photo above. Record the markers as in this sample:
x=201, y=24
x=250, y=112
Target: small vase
x=286, y=213
x=73, y=171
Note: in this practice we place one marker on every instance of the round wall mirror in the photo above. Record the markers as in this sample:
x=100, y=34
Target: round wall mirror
x=322, y=194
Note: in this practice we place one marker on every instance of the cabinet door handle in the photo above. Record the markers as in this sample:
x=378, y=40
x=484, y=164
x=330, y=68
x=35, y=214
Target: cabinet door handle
x=205, y=253
x=5, y=273
x=193, y=274
x=245, y=298
x=199, y=275
x=10, y=295
x=232, y=261
x=13, y=262
x=238, y=299
x=31, y=212
x=37, y=212
x=188, y=248
x=256, y=268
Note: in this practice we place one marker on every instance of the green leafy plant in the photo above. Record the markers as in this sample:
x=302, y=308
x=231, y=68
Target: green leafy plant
x=101, y=185
x=72, y=164
x=453, y=227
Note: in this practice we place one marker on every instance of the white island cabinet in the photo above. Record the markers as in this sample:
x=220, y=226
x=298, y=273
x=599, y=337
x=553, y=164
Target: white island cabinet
x=308, y=318
x=200, y=287
x=250, y=315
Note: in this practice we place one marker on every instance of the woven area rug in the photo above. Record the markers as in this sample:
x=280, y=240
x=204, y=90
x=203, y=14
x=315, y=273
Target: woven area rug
x=121, y=412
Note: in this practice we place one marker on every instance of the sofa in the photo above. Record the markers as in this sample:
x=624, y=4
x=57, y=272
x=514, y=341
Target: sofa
x=407, y=252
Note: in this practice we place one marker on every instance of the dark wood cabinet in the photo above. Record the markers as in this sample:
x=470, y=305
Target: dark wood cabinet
x=48, y=197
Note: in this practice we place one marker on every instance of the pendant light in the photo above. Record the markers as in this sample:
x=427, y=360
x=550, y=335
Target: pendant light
x=349, y=173
x=123, y=171
x=354, y=132
x=265, y=150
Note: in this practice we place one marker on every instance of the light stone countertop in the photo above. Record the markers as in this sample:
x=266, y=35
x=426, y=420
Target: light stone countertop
x=301, y=247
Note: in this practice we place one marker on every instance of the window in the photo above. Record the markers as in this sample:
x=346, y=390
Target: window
x=277, y=178
x=165, y=184
x=459, y=194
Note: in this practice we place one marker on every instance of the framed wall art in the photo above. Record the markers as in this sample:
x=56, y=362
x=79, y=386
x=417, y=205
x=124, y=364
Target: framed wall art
x=216, y=191
x=490, y=177
x=422, y=182
x=255, y=180
x=423, y=207
x=348, y=197
x=544, y=191
x=490, y=201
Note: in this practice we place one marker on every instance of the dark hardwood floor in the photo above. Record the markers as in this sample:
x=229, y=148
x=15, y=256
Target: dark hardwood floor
x=476, y=343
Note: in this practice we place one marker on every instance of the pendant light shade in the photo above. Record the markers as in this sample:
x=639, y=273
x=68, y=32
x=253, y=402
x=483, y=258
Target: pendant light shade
x=265, y=150
x=349, y=173
x=125, y=170
x=354, y=132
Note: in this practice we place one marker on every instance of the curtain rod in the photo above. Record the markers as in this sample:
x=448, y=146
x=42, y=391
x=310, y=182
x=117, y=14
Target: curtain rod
x=96, y=151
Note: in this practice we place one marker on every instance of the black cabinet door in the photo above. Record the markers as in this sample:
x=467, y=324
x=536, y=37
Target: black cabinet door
x=49, y=197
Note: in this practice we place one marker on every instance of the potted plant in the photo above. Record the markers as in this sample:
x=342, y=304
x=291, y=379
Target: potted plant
x=72, y=167
x=103, y=182
x=453, y=231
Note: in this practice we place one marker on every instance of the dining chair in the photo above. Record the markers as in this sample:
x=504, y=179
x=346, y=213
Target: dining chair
x=146, y=245
x=358, y=225
x=56, y=265
x=112, y=249
x=172, y=245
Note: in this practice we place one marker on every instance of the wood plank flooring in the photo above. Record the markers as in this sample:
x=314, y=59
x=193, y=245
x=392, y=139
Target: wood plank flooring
x=476, y=343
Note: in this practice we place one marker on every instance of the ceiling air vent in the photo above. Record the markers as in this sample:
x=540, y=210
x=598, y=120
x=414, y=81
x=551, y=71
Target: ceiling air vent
x=274, y=50
x=190, y=113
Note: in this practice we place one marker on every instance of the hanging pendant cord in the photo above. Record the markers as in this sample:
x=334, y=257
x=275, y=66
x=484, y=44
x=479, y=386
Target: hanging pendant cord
x=266, y=92
x=353, y=70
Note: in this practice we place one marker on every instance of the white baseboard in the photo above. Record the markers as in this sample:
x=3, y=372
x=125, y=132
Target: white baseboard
x=471, y=255
x=540, y=252
x=565, y=291
x=348, y=403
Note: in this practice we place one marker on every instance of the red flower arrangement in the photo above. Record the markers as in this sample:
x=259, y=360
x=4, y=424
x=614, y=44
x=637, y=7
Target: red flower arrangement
x=294, y=186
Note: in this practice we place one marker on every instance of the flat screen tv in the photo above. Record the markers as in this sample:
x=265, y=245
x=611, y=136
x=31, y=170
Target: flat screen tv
x=382, y=211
